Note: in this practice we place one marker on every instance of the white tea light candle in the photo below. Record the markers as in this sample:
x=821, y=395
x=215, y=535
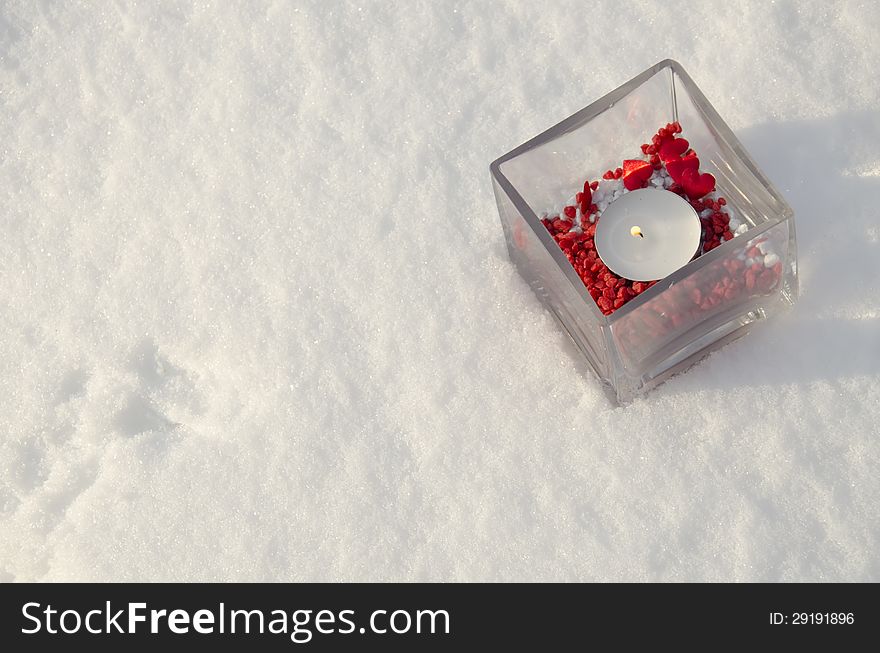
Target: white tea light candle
x=647, y=234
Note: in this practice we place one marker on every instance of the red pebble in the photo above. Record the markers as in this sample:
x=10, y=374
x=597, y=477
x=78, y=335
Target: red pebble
x=561, y=225
x=750, y=279
x=766, y=280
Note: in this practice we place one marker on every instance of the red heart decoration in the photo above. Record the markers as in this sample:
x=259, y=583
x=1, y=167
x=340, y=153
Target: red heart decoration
x=587, y=197
x=635, y=173
x=677, y=167
x=673, y=149
x=696, y=185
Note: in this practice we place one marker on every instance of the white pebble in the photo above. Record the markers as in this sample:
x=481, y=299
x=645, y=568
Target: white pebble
x=763, y=247
x=706, y=213
x=750, y=261
x=770, y=260
x=740, y=230
x=657, y=182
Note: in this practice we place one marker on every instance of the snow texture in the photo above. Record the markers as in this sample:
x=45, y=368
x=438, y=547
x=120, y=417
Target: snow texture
x=259, y=322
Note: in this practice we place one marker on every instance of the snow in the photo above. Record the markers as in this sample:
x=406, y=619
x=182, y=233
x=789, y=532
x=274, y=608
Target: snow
x=259, y=322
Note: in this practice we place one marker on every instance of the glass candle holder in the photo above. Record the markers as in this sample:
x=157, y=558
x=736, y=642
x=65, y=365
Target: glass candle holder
x=717, y=297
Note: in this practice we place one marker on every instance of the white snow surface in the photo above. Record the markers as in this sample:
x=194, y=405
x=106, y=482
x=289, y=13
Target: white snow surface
x=259, y=323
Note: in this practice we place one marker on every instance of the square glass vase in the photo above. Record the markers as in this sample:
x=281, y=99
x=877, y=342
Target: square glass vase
x=663, y=330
